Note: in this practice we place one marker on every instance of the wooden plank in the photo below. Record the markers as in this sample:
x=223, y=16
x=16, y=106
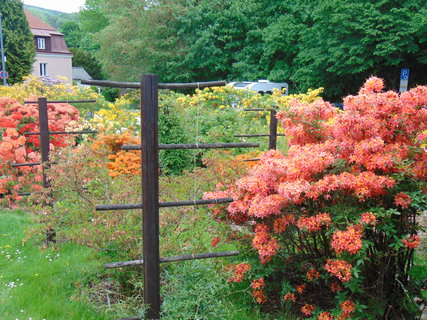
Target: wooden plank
x=44, y=138
x=150, y=194
x=64, y=101
x=272, y=143
x=171, y=86
x=164, y=204
x=256, y=135
x=60, y=132
x=136, y=263
x=196, y=146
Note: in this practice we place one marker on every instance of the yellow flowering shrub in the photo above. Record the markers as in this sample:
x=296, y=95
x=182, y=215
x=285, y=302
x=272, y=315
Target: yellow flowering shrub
x=282, y=101
x=118, y=116
x=32, y=88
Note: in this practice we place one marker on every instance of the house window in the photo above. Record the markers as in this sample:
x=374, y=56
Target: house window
x=41, y=43
x=43, y=69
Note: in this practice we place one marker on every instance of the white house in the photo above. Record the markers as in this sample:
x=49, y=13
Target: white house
x=53, y=58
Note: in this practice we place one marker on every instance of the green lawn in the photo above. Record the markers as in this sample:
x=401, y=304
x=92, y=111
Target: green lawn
x=40, y=283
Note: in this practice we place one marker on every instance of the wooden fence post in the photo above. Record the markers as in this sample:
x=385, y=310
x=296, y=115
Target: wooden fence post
x=44, y=138
x=272, y=143
x=150, y=194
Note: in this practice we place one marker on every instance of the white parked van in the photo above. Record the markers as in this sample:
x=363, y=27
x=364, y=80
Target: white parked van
x=262, y=86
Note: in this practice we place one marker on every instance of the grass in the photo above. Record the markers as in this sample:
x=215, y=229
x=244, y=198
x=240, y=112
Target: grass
x=40, y=283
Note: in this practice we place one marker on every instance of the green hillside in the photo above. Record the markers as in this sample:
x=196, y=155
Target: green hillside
x=55, y=18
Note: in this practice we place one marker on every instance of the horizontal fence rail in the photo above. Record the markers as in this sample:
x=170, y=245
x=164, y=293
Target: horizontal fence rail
x=60, y=132
x=135, y=263
x=195, y=146
x=166, y=204
x=137, y=85
x=133, y=318
x=28, y=193
x=256, y=135
x=30, y=164
x=64, y=101
x=259, y=109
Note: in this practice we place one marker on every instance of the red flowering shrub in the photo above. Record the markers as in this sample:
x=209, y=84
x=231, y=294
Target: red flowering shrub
x=15, y=147
x=334, y=217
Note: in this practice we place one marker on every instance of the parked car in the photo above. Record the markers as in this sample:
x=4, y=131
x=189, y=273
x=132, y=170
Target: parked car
x=262, y=86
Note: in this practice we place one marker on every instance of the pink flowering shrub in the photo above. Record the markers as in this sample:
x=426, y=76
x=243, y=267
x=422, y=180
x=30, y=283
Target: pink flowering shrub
x=15, y=147
x=333, y=220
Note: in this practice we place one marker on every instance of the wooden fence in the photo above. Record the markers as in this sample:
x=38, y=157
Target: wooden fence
x=150, y=204
x=45, y=137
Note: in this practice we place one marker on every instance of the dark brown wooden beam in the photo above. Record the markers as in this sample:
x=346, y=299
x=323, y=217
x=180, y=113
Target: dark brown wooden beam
x=60, y=132
x=172, y=86
x=150, y=193
x=135, y=263
x=65, y=101
x=164, y=204
x=196, y=146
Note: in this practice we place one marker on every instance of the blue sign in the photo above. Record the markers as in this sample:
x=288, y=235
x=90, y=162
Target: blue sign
x=4, y=75
x=404, y=74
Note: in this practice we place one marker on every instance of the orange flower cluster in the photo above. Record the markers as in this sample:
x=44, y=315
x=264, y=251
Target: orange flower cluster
x=411, y=242
x=290, y=297
x=312, y=274
x=257, y=290
x=121, y=162
x=325, y=316
x=281, y=223
x=340, y=269
x=262, y=241
x=368, y=218
x=215, y=241
x=300, y=288
x=239, y=271
x=307, y=122
x=336, y=287
x=402, y=199
x=124, y=163
x=347, y=308
x=307, y=309
x=364, y=185
x=349, y=240
x=315, y=223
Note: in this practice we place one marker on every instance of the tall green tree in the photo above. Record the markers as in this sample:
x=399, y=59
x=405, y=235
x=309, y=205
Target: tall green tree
x=92, y=20
x=307, y=43
x=72, y=34
x=353, y=39
x=18, y=41
x=86, y=60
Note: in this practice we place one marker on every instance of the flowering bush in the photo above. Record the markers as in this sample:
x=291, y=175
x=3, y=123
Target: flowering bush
x=119, y=116
x=333, y=221
x=33, y=87
x=121, y=162
x=15, y=147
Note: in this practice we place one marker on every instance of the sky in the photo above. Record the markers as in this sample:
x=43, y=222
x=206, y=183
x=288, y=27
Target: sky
x=58, y=5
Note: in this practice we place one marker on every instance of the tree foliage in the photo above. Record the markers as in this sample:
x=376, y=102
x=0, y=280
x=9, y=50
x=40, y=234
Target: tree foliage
x=306, y=43
x=86, y=60
x=72, y=34
x=18, y=41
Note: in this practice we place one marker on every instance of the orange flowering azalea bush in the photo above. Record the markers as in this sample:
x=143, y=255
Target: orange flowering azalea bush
x=121, y=162
x=15, y=147
x=332, y=222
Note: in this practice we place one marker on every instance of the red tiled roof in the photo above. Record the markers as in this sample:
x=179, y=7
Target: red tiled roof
x=37, y=23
